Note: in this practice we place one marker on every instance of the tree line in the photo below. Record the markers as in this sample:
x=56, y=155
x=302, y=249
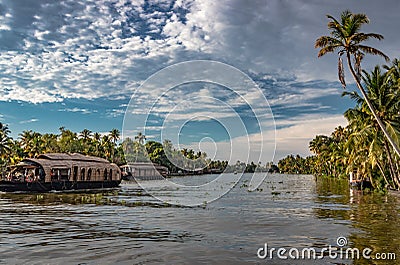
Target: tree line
x=30, y=144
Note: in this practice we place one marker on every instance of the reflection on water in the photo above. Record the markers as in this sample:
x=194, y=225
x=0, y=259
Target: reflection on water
x=127, y=226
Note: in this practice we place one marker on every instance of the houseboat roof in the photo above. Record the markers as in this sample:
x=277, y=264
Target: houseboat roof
x=144, y=165
x=73, y=156
x=62, y=160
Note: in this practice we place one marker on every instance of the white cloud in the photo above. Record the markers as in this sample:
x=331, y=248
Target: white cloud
x=113, y=113
x=29, y=121
x=93, y=49
x=295, y=137
x=75, y=109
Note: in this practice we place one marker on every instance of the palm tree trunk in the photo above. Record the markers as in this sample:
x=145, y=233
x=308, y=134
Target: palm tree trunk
x=383, y=174
x=371, y=107
x=392, y=168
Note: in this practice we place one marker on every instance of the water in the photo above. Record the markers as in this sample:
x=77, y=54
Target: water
x=128, y=226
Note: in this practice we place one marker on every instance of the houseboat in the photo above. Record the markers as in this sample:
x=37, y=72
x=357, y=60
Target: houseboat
x=59, y=172
x=143, y=171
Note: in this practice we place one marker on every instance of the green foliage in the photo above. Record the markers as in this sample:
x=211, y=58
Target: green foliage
x=296, y=165
x=369, y=148
x=361, y=147
x=31, y=144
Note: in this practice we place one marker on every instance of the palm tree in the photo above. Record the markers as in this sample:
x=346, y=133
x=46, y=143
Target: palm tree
x=386, y=99
x=347, y=38
x=5, y=147
x=85, y=134
x=50, y=143
x=4, y=140
x=84, y=141
x=114, y=135
x=97, y=143
x=108, y=147
x=140, y=138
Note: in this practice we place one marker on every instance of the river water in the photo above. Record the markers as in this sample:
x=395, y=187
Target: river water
x=128, y=226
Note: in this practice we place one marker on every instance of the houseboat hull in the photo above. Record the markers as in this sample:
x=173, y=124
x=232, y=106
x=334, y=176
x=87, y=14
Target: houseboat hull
x=10, y=186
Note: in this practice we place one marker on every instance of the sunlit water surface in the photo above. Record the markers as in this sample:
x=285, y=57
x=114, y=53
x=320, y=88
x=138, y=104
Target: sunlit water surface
x=128, y=226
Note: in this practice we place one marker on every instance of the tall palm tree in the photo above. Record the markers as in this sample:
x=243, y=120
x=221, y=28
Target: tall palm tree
x=347, y=38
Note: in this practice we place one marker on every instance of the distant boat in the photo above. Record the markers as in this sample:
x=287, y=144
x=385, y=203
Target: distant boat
x=359, y=184
x=143, y=171
x=61, y=172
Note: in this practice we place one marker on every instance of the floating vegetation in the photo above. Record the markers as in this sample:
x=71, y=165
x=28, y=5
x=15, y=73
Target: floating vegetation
x=244, y=185
x=99, y=198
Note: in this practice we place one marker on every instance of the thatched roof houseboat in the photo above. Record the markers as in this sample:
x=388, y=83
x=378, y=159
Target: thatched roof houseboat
x=59, y=171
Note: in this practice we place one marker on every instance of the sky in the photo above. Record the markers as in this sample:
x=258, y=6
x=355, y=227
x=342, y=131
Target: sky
x=83, y=64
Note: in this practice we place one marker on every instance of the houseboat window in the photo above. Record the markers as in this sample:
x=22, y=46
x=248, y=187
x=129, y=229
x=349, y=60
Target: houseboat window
x=60, y=173
x=83, y=174
x=53, y=174
x=75, y=175
x=89, y=174
x=66, y=176
x=29, y=175
x=41, y=175
x=105, y=174
x=22, y=174
x=98, y=173
x=110, y=174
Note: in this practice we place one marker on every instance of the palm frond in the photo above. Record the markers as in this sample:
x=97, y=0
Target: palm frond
x=328, y=49
x=358, y=20
x=345, y=16
x=337, y=31
x=361, y=18
x=394, y=133
x=354, y=96
x=360, y=37
x=326, y=41
x=332, y=18
x=374, y=51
